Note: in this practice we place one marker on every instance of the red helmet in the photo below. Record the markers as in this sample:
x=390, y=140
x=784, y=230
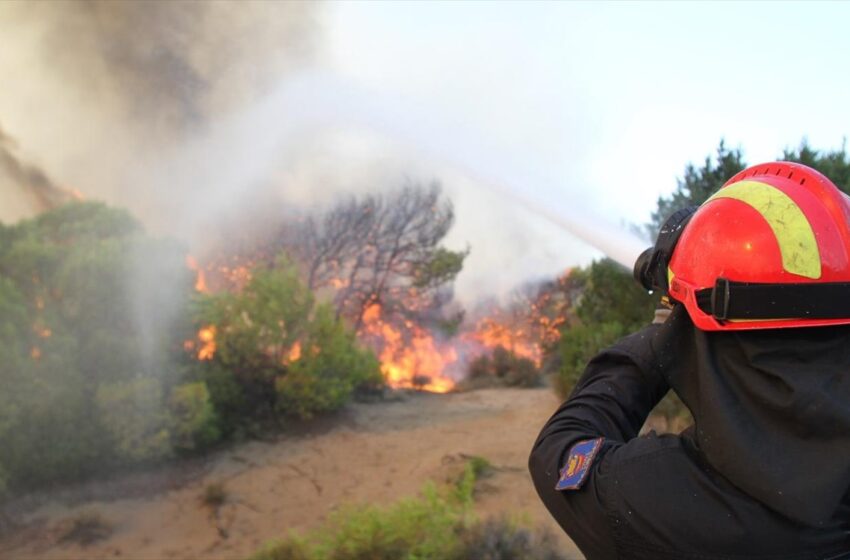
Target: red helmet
x=770, y=249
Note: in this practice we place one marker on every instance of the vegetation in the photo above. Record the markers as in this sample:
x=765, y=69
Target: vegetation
x=278, y=352
x=438, y=525
x=381, y=249
x=501, y=368
x=93, y=318
x=90, y=308
x=214, y=496
x=612, y=305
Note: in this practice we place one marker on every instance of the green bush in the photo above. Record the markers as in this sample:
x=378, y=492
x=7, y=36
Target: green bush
x=577, y=346
x=424, y=528
x=194, y=424
x=501, y=538
x=132, y=412
x=89, y=308
x=253, y=372
x=330, y=368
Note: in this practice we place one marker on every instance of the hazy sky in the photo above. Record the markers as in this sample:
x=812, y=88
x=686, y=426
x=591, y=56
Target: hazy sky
x=612, y=99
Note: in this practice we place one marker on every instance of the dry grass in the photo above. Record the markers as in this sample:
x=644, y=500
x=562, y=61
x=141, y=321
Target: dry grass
x=86, y=528
x=215, y=495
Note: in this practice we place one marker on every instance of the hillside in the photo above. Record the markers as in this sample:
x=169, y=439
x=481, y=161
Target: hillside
x=372, y=453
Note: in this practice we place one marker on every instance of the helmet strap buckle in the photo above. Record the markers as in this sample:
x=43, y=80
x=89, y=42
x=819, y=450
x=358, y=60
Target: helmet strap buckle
x=720, y=297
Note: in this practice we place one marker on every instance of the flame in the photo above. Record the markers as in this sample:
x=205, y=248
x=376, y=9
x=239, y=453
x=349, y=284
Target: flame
x=35, y=352
x=339, y=283
x=417, y=363
x=490, y=333
x=200, y=278
x=294, y=352
x=207, y=337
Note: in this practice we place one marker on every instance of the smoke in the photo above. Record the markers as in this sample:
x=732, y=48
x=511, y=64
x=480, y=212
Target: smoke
x=106, y=93
x=43, y=193
x=211, y=120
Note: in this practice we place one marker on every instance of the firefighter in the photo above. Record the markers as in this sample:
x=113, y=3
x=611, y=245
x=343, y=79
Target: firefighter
x=757, y=346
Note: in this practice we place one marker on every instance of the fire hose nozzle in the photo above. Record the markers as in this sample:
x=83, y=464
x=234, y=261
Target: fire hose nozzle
x=643, y=271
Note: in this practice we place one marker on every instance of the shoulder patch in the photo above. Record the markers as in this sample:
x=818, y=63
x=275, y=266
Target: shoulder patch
x=578, y=464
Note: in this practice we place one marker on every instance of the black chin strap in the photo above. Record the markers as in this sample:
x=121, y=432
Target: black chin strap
x=745, y=300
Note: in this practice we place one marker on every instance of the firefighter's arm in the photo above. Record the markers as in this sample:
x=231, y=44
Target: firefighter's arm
x=612, y=399
x=607, y=408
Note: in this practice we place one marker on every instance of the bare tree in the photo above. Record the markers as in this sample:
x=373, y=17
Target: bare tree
x=382, y=249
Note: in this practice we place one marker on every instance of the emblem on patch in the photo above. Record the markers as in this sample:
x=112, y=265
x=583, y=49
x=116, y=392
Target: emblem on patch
x=578, y=464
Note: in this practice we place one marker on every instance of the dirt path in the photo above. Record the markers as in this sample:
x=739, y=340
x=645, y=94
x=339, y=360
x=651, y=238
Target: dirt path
x=376, y=453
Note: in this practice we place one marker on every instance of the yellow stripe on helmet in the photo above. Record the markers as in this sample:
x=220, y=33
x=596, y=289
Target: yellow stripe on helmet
x=797, y=244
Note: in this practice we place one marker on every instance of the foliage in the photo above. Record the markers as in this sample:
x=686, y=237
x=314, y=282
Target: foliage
x=611, y=305
x=381, y=248
x=90, y=308
x=193, y=420
x=256, y=372
x=502, y=538
x=132, y=413
x=697, y=185
x=215, y=495
x=832, y=163
x=502, y=368
x=611, y=295
x=578, y=345
x=331, y=369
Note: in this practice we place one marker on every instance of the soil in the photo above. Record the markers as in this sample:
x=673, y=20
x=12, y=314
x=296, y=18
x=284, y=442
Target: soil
x=259, y=491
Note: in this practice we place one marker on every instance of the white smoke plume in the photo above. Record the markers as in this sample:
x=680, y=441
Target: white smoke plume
x=101, y=95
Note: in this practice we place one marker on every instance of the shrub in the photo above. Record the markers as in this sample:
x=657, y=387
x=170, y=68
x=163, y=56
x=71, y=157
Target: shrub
x=89, y=305
x=502, y=539
x=215, y=495
x=226, y=395
x=134, y=415
x=329, y=370
x=502, y=368
x=194, y=424
x=254, y=371
x=577, y=346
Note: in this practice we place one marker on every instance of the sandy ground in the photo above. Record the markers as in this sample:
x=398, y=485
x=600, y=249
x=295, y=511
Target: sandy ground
x=373, y=453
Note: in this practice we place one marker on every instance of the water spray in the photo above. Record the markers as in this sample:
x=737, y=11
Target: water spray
x=316, y=100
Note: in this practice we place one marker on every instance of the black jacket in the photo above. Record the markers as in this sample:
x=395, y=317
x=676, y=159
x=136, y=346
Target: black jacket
x=763, y=473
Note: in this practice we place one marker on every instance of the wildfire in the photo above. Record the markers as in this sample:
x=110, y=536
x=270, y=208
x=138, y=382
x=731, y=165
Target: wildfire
x=416, y=362
x=201, y=277
x=490, y=333
x=207, y=337
x=410, y=354
x=294, y=353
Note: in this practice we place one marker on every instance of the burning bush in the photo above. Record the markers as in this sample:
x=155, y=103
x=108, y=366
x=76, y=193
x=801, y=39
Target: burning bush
x=332, y=367
x=502, y=368
x=272, y=350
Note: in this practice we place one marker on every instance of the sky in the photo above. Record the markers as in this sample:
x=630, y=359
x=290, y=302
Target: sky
x=584, y=112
